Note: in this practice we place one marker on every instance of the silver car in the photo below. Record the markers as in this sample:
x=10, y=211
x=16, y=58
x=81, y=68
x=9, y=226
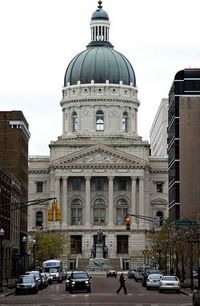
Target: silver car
x=153, y=281
x=169, y=283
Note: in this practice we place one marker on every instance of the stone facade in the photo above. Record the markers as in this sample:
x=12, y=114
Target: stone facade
x=99, y=170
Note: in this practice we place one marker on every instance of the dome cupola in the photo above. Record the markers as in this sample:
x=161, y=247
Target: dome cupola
x=100, y=63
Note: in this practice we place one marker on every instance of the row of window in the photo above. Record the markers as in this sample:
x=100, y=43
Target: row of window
x=99, y=184
x=100, y=121
x=122, y=244
x=99, y=213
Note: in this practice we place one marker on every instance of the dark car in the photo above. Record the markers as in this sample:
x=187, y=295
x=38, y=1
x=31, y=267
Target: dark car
x=79, y=281
x=26, y=284
x=38, y=277
x=112, y=273
x=196, y=297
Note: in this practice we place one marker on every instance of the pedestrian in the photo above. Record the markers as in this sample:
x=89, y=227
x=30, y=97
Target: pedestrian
x=122, y=283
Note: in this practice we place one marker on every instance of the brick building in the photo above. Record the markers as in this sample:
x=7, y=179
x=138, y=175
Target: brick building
x=14, y=137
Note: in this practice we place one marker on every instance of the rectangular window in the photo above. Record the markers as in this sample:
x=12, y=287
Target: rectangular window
x=122, y=184
x=76, y=244
x=99, y=184
x=39, y=186
x=76, y=184
x=122, y=244
x=159, y=187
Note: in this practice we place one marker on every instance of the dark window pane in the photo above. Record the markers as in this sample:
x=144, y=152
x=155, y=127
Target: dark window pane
x=39, y=186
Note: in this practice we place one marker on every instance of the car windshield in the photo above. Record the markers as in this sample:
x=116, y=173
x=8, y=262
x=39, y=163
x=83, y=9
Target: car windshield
x=154, y=276
x=25, y=280
x=79, y=275
x=169, y=278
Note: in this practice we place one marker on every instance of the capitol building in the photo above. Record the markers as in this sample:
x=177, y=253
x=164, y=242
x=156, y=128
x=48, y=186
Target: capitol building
x=100, y=169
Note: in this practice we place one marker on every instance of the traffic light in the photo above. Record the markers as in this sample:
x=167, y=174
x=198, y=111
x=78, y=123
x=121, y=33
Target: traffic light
x=54, y=213
x=128, y=222
x=58, y=215
x=50, y=214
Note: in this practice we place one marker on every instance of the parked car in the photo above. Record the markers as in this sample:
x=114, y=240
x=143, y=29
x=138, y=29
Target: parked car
x=147, y=273
x=112, y=273
x=153, y=281
x=79, y=281
x=45, y=282
x=37, y=276
x=131, y=274
x=139, y=274
x=26, y=284
x=49, y=277
x=169, y=283
x=196, y=297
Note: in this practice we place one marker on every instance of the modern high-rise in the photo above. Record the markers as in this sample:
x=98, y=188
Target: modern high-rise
x=100, y=169
x=184, y=145
x=158, y=131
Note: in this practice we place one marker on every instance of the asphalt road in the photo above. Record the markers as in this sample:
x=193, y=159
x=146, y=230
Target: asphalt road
x=103, y=294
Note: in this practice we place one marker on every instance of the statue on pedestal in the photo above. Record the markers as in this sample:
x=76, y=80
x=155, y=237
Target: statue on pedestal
x=99, y=236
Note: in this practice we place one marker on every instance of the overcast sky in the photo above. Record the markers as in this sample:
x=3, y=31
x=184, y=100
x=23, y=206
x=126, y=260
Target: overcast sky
x=40, y=37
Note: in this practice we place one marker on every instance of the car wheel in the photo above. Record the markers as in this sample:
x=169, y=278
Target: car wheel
x=71, y=291
x=89, y=290
x=160, y=290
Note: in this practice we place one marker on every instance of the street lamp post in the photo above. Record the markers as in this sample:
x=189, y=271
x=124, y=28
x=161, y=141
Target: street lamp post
x=2, y=232
x=34, y=245
x=24, y=240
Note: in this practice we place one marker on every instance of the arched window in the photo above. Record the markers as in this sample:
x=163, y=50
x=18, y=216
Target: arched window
x=160, y=215
x=39, y=218
x=125, y=122
x=121, y=211
x=74, y=121
x=99, y=212
x=99, y=121
x=76, y=212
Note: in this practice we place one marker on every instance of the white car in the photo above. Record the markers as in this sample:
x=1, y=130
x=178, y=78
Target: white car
x=153, y=281
x=169, y=283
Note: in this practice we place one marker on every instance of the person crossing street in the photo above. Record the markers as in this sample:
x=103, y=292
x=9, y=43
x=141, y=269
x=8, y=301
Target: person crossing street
x=122, y=284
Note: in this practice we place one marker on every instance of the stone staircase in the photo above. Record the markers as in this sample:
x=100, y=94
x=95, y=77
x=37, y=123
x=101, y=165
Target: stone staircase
x=99, y=264
x=82, y=264
x=115, y=263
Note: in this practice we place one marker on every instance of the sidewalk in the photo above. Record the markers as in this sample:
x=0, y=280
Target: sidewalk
x=8, y=287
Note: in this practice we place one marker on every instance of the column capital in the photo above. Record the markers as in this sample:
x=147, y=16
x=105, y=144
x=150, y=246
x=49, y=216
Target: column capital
x=111, y=178
x=88, y=177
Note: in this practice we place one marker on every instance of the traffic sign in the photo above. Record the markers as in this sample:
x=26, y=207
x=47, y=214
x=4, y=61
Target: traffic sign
x=185, y=222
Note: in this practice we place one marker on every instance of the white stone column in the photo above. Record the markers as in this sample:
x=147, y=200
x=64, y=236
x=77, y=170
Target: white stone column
x=57, y=189
x=87, y=201
x=64, y=201
x=141, y=196
x=110, y=201
x=133, y=195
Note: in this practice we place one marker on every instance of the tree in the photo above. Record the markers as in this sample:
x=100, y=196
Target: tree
x=50, y=245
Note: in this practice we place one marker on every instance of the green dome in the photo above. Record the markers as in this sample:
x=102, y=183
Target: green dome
x=100, y=14
x=99, y=62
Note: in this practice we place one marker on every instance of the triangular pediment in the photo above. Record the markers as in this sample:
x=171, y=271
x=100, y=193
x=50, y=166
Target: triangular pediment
x=99, y=156
x=159, y=201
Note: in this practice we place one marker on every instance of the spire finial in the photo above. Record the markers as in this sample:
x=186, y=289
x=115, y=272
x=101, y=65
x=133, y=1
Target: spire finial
x=100, y=4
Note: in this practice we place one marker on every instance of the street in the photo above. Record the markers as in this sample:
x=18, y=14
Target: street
x=103, y=294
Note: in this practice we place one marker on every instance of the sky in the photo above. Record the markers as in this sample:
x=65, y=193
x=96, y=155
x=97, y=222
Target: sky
x=40, y=37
